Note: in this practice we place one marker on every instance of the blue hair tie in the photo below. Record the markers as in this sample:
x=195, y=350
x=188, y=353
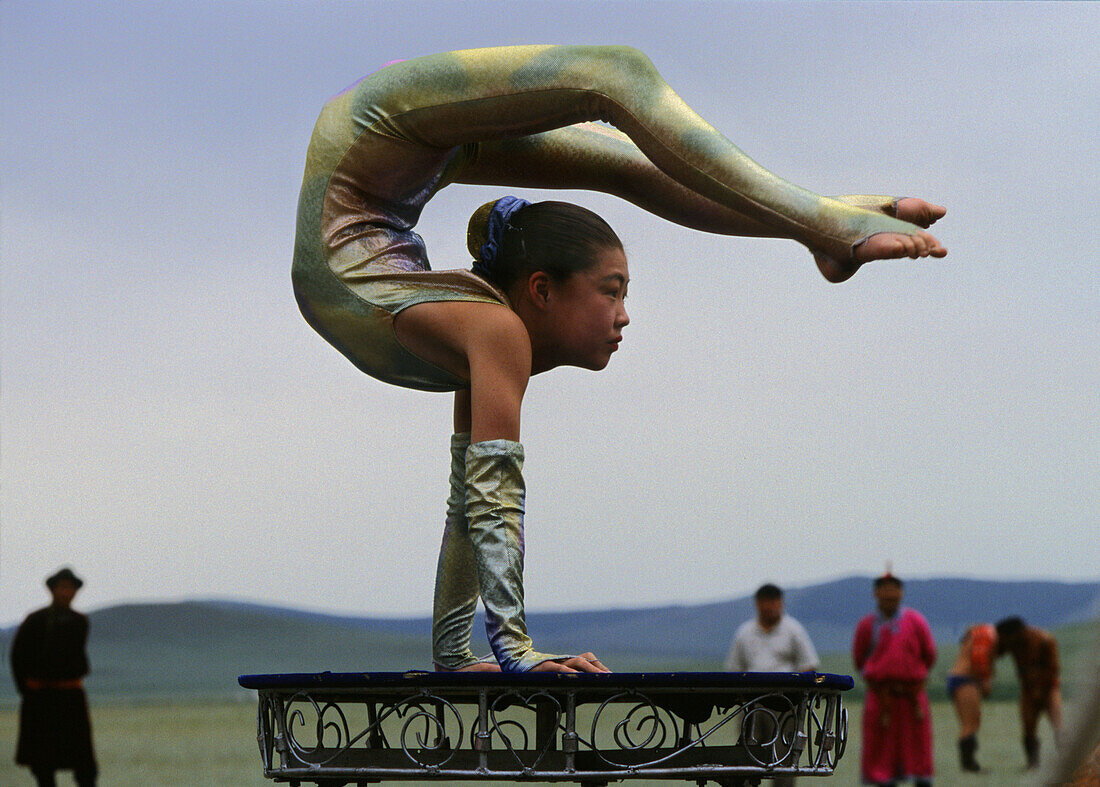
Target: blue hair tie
x=489, y=253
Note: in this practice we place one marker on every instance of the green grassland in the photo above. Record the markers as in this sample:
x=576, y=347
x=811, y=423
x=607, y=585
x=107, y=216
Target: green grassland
x=213, y=744
x=185, y=738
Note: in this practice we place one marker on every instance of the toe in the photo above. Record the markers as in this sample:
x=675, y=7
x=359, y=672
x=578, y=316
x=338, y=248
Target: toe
x=932, y=246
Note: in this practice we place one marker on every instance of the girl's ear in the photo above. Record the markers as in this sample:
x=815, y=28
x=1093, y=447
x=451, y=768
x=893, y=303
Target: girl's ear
x=538, y=289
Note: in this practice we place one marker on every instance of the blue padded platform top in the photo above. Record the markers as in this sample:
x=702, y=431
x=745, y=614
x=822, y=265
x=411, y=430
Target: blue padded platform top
x=608, y=680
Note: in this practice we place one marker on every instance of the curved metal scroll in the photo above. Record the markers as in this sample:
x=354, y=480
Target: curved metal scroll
x=484, y=731
x=332, y=736
x=500, y=727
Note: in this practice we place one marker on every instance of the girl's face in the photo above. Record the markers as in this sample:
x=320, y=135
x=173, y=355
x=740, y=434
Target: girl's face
x=587, y=314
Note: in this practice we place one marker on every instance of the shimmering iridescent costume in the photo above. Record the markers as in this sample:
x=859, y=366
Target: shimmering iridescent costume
x=509, y=116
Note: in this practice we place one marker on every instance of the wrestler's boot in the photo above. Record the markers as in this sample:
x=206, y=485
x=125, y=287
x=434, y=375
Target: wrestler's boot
x=967, y=747
x=1031, y=749
x=456, y=588
x=494, y=513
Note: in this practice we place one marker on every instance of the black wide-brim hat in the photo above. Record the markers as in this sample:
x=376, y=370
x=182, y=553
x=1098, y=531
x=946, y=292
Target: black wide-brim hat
x=62, y=575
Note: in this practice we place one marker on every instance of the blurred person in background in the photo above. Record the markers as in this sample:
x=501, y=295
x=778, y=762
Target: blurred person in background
x=49, y=663
x=893, y=649
x=771, y=642
x=968, y=682
x=1036, y=655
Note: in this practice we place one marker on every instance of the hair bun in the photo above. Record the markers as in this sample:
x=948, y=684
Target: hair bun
x=477, y=231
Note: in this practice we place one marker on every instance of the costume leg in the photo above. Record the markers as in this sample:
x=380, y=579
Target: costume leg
x=456, y=587
x=494, y=511
x=600, y=158
x=474, y=96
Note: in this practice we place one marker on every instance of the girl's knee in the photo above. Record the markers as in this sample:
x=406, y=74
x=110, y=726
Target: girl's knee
x=628, y=63
x=634, y=63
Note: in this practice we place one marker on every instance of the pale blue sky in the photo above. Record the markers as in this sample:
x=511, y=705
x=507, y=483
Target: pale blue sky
x=172, y=428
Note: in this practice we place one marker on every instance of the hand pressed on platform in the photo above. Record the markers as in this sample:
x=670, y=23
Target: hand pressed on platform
x=586, y=662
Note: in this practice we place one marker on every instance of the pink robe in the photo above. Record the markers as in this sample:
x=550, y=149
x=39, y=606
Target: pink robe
x=894, y=657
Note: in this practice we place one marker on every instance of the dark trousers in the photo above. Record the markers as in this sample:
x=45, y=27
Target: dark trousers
x=47, y=778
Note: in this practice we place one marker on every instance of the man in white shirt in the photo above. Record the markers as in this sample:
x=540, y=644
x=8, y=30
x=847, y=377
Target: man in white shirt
x=773, y=641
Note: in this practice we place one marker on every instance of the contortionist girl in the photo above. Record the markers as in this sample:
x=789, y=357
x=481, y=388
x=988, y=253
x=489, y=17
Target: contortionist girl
x=549, y=279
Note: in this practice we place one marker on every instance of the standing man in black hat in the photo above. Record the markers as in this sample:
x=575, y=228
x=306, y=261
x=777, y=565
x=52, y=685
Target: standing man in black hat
x=49, y=664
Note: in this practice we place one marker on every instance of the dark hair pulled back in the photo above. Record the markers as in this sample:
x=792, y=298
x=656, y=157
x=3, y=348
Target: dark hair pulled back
x=559, y=238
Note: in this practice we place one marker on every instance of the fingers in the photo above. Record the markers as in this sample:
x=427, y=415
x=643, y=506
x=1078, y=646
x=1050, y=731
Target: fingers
x=586, y=662
x=584, y=665
x=591, y=657
x=552, y=666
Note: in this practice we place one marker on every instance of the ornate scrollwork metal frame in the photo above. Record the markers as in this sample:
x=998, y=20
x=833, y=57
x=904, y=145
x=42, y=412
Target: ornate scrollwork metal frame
x=332, y=729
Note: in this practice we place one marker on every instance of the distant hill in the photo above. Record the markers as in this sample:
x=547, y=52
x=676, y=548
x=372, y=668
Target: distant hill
x=197, y=648
x=831, y=610
x=828, y=610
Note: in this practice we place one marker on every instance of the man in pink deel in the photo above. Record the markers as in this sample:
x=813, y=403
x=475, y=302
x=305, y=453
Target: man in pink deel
x=893, y=649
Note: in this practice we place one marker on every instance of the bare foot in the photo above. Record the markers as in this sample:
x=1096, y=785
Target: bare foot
x=882, y=246
x=477, y=666
x=890, y=245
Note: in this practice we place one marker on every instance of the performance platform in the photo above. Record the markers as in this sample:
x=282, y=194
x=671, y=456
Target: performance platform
x=731, y=728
